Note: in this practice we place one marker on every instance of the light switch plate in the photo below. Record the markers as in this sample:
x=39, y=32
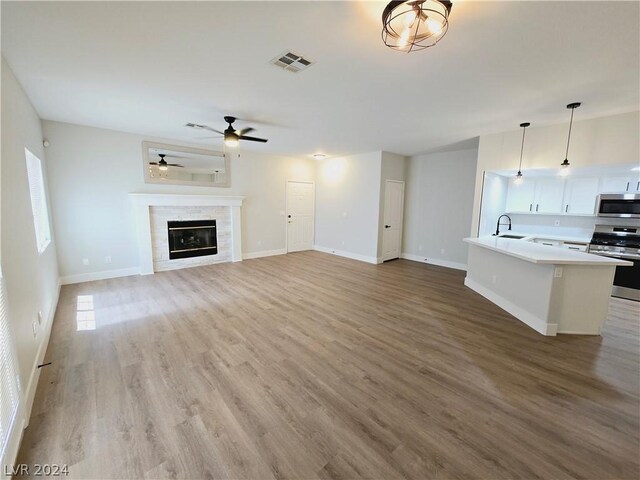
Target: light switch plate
x=557, y=272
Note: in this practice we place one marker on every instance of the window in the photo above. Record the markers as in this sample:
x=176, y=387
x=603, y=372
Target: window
x=9, y=382
x=38, y=201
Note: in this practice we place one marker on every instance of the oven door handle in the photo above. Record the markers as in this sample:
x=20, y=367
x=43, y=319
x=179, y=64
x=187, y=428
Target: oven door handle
x=623, y=256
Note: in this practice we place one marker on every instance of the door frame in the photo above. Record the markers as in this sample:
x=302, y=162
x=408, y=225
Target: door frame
x=384, y=201
x=286, y=212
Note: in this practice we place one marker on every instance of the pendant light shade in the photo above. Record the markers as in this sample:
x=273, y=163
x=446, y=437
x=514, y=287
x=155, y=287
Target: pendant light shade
x=409, y=26
x=565, y=164
x=519, y=174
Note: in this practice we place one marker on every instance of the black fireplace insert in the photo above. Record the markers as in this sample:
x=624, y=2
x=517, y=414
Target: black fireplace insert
x=192, y=238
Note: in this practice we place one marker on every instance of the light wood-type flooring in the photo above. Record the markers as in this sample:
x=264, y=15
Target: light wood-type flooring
x=308, y=365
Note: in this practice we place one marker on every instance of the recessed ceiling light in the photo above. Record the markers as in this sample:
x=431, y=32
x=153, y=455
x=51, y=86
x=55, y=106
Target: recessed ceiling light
x=319, y=156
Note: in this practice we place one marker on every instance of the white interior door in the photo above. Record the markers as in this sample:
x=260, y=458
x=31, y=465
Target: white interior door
x=300, y=216
x=393, y=211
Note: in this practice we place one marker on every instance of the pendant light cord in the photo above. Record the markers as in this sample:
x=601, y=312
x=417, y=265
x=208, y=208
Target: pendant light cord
x=524, y=129
x=566, y=155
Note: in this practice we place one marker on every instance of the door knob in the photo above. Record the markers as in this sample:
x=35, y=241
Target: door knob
x=288, y=216
x=387, y=226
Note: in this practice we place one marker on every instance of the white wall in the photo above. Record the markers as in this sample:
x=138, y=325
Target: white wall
x=31, y=278
x=92, y=170
x=347, y=205
x=438, y=206
x=600, y=141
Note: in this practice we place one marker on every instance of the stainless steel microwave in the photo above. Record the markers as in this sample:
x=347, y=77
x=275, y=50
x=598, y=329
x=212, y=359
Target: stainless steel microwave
x=620, y=205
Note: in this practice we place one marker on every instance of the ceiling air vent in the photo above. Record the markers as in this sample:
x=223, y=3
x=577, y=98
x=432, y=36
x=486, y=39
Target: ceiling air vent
x=292, y=62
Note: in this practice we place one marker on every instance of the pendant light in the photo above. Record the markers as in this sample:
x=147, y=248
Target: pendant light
x=518, y=179
x=565, y=164
x=412, y=25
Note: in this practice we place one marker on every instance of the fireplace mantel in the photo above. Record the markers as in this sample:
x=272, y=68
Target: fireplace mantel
x=143, y=201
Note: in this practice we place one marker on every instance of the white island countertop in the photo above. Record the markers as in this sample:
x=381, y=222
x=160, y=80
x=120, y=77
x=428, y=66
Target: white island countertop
x=537, y=253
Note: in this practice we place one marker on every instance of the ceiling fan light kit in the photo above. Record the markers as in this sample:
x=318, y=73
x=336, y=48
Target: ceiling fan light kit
x=413, y=25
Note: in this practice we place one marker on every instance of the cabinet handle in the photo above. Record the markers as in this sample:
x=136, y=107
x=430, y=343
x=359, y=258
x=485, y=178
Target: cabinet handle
x=537, y=207
x=573, y=248
x=627, y=186
x=638, y=186
x=566, y=209
x=530, y=206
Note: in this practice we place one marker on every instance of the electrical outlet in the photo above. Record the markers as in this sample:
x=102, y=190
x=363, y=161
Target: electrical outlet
x=107, y=259
x=39, y=318
x=557, y=273
x=419, y=248
x=34, y=327
x=556, y=223
x=342, y=243
x=85, y=261
x=442, y=251
x=494, y=279
x=259, y=243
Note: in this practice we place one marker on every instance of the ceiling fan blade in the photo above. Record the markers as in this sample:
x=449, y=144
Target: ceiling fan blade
x=198, y=126
x=244, y=131
x=253, y=139
x=153, y=163
x=175, y=165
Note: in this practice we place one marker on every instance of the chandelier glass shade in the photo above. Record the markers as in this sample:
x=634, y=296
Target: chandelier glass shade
x=409, y=26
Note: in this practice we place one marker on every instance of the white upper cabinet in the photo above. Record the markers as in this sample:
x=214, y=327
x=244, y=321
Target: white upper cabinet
x=555, y=195
x=580, y=195
x=520, y=196
x=549, y=193
x=617, y=184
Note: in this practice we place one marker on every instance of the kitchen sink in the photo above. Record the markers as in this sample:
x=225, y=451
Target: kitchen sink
x=518, y=237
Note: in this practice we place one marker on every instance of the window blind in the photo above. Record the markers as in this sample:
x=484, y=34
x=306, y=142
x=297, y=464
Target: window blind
x=9, y=381
x=38, y=201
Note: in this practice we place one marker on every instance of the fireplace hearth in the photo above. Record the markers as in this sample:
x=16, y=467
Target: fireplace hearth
x=192, y=238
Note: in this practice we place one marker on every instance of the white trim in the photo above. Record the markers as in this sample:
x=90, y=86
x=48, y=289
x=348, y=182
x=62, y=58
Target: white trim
x=103, y=275
x=434, y=261
x=141, y=208
x=286, y=212
x=341, y=253
x=538, y=324
x=176, y=200
x=264, y=253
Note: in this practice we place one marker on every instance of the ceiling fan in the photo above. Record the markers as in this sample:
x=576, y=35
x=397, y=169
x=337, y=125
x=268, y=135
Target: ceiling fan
x=230, y=134
x=163, y=165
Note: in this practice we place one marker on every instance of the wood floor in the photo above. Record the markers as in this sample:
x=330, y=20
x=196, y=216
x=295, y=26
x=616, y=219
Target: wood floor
x=307, y=366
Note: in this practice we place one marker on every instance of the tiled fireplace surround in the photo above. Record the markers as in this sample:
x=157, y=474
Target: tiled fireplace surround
x=153, y=211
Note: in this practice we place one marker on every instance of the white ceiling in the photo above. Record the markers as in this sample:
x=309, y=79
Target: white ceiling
x=151, y=67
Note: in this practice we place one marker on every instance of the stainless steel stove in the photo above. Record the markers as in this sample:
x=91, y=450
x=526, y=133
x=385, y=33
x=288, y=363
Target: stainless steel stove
x=620, y=241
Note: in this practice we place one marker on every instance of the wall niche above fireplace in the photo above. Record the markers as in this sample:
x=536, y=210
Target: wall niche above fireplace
x=192, y=238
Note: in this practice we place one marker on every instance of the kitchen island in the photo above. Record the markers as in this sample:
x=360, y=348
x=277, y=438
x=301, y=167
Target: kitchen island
x=553, y=290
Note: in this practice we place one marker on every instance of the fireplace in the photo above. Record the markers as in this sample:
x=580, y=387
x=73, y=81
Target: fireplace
x=192, y=238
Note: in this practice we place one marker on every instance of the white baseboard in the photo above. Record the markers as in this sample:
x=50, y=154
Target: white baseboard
x=105, y=274
x=538, y=324
x=264, y=253
x=341, y=253
x=434, y=261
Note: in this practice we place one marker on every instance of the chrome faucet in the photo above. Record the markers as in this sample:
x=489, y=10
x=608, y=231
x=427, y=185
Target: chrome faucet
x=498, y=225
